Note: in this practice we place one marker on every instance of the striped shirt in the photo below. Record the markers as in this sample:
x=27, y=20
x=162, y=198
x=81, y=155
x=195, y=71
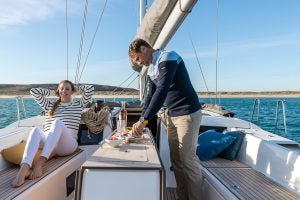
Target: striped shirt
x=69, y=113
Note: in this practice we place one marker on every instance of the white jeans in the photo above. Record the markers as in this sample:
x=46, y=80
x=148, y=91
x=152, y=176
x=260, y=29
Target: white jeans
x=57, y=140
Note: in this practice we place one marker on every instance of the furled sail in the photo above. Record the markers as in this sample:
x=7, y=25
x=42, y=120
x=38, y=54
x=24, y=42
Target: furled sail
x=155, y=19
x=162, y=20
x=159, y=25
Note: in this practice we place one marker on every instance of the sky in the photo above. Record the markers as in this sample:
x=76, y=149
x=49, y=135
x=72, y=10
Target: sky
x=258, y=43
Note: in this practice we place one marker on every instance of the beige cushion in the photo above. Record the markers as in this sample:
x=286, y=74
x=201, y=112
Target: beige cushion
x=14, y=154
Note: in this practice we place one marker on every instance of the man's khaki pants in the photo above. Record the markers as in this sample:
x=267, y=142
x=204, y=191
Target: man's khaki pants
x=182, y=136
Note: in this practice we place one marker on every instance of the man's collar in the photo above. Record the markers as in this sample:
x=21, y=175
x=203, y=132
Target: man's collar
x=155, y=56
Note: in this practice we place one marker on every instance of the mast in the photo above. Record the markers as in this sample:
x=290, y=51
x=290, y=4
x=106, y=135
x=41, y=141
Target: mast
x=159, y=24
x=143, y=4
x=217, y=51
x=142, y=78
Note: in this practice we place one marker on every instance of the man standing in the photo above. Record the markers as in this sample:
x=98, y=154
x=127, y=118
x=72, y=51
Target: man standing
x=169, y=85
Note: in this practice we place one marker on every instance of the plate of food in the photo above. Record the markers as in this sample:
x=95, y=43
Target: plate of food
x=113, y=141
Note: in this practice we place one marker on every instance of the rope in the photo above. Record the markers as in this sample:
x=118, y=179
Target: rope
x=95, y=121
x=81, y=42
x=199, y=66
x=91, y=45
x=67, y=30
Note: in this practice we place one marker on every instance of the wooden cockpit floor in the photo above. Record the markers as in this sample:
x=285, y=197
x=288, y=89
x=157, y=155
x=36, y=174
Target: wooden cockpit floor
x=7, y=176
x=245, y=182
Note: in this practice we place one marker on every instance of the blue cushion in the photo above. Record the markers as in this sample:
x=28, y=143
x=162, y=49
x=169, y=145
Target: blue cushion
x=232, y=150
x=211, y=143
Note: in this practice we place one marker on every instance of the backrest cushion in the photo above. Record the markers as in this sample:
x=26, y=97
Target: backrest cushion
x=211, y=143
x=14, y=154
x=232, y=150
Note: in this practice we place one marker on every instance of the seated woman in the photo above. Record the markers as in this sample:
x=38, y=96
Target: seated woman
x=60, y=130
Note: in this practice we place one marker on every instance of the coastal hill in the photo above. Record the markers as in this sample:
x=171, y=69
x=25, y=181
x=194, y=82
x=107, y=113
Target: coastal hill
x=249, y=94
x=105, y=90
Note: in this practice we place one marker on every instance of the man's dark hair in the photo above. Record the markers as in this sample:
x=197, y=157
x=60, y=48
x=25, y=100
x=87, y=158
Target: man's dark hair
x=136, y=44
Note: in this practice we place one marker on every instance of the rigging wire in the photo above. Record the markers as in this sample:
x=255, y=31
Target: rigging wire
x=122, y=83
x=200, y=67
x=126, y=87
x=67, y=32
x=81, y=42
x=94, y=36
x=217, y=50
x=79, y=75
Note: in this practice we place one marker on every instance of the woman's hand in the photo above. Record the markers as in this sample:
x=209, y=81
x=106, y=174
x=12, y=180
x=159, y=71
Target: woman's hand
x=137, y=128
x=54, y=93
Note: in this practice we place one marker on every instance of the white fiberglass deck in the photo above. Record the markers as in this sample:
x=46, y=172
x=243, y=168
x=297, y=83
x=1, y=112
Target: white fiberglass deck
x=130, y=171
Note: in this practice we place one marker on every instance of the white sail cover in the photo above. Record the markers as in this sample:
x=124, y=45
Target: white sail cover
x=162, y=20
x=155, y=19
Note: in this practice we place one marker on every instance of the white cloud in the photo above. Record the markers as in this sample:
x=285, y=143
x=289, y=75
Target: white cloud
x=262, y=43
x=15, y=12
x=247, y=45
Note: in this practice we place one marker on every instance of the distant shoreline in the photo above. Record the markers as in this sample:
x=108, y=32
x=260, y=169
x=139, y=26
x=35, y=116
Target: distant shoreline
x=200, y=95
x=106, y=91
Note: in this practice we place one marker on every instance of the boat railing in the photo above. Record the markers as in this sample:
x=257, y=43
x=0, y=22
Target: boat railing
x=256, y=102
x=282, y=102
x=256, y=107
x=20, y=100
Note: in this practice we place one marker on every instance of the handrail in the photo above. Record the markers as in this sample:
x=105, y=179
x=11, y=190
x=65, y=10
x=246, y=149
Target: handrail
x=18, y=108
x=23, y=105
x=18, y=99
x=256, y=101
x=283, y=114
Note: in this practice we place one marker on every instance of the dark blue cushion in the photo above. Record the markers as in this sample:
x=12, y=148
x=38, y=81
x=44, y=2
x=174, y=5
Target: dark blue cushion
x=232, y=150
x=211, y=143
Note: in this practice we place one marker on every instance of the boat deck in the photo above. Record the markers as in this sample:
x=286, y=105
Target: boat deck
x=245, y=182
x=242, y=181
x=7, y=176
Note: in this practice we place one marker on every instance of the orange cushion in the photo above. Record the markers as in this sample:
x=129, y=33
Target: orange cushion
x=14, y=154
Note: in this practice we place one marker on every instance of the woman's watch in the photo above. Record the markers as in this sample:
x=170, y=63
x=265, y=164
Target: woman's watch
x=144, y=121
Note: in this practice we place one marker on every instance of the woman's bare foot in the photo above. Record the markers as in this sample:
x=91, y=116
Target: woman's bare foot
x=23, y=173
x=38, y=168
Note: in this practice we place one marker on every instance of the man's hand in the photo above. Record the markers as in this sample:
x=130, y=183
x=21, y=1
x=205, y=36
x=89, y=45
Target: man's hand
x=137, y=128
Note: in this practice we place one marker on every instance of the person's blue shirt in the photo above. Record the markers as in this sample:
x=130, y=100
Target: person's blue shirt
x=169, y=85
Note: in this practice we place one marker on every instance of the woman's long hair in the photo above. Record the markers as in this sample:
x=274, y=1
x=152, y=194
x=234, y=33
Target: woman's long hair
x=57, y=102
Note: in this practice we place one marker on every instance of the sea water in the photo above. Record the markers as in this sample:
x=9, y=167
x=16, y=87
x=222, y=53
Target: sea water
x=242, y=107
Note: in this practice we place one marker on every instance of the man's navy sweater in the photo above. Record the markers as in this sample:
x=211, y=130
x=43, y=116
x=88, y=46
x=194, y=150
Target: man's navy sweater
x=169, y=85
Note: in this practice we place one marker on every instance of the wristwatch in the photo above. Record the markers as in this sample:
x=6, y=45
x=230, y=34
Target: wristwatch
x=143, y=120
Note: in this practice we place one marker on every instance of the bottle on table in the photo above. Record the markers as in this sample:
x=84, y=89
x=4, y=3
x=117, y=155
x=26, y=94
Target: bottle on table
x=122, y=119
